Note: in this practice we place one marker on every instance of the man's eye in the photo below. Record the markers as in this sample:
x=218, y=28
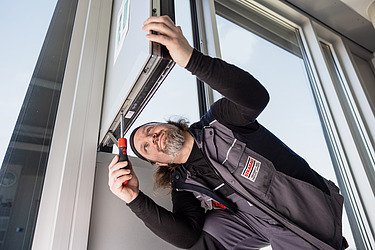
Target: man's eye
x=148, y=130
x=146, y=147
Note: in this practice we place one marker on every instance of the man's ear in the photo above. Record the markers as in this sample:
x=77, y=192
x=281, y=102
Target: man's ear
x=159, y=164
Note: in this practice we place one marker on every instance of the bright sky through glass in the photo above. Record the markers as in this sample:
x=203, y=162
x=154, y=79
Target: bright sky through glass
x=291, y=114
x=177, y=96
x=23, y=26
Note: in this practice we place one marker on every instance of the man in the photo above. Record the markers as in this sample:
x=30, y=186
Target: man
x=234, y=184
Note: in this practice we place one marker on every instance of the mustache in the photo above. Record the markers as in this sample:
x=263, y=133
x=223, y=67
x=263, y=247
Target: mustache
x=157, y=140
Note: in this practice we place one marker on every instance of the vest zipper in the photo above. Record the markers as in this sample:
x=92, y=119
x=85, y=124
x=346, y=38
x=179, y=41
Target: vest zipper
x=179, y=184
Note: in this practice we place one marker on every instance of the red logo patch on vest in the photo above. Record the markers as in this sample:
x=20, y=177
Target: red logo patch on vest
x=251, y=169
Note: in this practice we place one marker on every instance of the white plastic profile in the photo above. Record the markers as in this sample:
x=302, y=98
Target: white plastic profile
x=64, y=212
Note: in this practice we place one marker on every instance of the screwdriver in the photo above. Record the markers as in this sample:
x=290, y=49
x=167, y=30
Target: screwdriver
x=122, y=144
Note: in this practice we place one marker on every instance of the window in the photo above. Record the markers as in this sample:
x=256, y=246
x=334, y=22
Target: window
x=270, y=49
x=363, y=146
x=25, y=159
x=177, y=96
x=367, y=74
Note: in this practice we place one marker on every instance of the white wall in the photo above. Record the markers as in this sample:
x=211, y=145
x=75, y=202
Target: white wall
x=113, y=225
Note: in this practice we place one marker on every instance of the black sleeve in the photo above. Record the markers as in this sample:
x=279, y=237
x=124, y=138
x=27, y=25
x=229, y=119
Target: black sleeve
x=207, y=242
x=182, y=227
x=245, y=98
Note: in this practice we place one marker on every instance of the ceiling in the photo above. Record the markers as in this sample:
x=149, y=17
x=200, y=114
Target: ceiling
x=360, y=6
x=347, y=17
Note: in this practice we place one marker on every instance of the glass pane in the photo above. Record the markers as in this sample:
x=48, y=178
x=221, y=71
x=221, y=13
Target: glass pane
x=367, y=74
x=32, y=73
x=19, y=20
x=291, y=114
x=362, y=232
x=177, y=96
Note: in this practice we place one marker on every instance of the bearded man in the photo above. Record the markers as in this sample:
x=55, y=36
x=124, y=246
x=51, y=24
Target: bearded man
x=234, y=185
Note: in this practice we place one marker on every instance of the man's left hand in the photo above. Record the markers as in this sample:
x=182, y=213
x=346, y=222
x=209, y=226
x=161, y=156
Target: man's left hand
x=170, y=36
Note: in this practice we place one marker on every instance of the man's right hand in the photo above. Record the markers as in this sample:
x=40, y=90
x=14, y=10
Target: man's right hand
x=118, y=173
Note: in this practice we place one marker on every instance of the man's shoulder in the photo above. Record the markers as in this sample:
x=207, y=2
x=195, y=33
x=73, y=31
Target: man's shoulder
x=205, y=120
x=197, y=127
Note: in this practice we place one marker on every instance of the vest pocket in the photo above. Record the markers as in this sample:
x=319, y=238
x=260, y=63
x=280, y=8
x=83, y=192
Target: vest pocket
x=252, y=170
x=304, y=204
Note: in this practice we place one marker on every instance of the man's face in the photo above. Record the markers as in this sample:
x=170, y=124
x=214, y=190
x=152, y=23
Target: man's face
x=159, y=142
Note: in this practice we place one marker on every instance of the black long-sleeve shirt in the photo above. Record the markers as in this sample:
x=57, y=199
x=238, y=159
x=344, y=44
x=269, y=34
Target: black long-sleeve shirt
x=244, y=99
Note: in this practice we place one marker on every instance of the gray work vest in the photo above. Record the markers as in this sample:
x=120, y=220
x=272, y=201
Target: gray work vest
x=299, y=206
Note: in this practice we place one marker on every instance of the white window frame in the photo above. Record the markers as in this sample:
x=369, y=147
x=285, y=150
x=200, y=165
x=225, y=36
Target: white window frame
x=357, y=157
x=65, y=207
x=358, y=82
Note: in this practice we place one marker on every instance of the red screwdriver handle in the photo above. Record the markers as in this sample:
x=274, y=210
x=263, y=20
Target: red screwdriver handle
x=122, y=145
x=123, y=156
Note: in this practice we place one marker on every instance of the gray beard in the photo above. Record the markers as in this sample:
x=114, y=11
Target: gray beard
x=175, y=141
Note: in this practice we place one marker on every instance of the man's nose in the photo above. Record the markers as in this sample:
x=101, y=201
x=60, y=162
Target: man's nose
x=152, y=138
